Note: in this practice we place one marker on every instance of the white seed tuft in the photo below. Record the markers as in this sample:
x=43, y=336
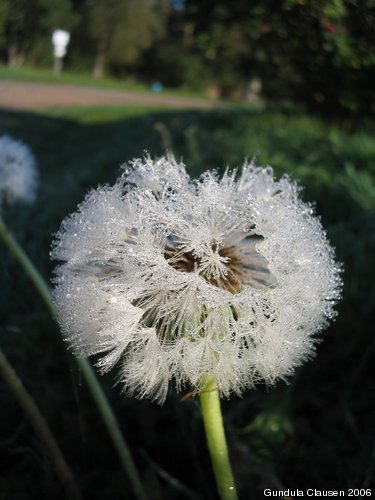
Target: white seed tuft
x=178, y=279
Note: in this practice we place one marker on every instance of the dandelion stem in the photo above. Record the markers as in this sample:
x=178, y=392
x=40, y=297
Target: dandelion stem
x=41, y=428
x=217, y=445
x=96, y=390
x=27, y=265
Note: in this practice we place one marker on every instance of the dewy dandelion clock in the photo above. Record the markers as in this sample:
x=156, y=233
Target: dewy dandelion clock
x=229, y=278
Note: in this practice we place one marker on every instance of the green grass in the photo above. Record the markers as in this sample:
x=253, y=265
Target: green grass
x=102, y=114
x=316, y=432
x=33, y=74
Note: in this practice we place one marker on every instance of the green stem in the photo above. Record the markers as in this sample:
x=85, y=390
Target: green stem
x=86, y=368
x=27, y=265
x=40, y=426
x=217, y=445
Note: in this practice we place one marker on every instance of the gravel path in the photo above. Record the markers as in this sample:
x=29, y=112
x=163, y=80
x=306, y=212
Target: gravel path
x=32, y=96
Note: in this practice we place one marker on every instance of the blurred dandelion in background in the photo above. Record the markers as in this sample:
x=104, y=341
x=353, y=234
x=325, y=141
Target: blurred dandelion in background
x=18, y=171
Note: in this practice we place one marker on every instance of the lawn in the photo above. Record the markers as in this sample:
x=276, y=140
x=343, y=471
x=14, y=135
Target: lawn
x=32, y=74
x=316, y=432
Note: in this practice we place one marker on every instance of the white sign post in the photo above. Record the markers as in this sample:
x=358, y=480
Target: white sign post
x=60, y=40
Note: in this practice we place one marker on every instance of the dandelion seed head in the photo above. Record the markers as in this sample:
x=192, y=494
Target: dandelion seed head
x=18, y=173
x=177, y=279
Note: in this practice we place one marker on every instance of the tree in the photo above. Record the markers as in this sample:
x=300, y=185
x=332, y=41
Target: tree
x=20, y=28
x=123, y=29
x=321, y=53
x=58, y=14
x=54, y=14
x=27, y=24
x=4, y=9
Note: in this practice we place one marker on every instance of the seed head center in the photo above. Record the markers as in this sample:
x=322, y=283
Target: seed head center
x=220, y=267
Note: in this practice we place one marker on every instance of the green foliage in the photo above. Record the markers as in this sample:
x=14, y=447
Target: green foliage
x=315, y=432
x=28, y=27
x=21, y=20
x=321, y=53
x=4, y=9
x=58, y=14
x=122, y=30
x=176, y=71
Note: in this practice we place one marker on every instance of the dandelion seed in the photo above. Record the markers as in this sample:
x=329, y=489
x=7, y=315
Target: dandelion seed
x=181, y=280
x=18, y=173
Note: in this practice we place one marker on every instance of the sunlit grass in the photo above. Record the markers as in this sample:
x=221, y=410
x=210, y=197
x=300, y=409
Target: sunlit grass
x=33, y=74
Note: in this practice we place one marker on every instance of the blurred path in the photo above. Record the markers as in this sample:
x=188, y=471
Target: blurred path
x=32, y=96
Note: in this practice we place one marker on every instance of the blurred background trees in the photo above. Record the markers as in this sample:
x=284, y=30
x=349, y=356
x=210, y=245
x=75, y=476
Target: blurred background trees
x=320, y=53
x=122, y=31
